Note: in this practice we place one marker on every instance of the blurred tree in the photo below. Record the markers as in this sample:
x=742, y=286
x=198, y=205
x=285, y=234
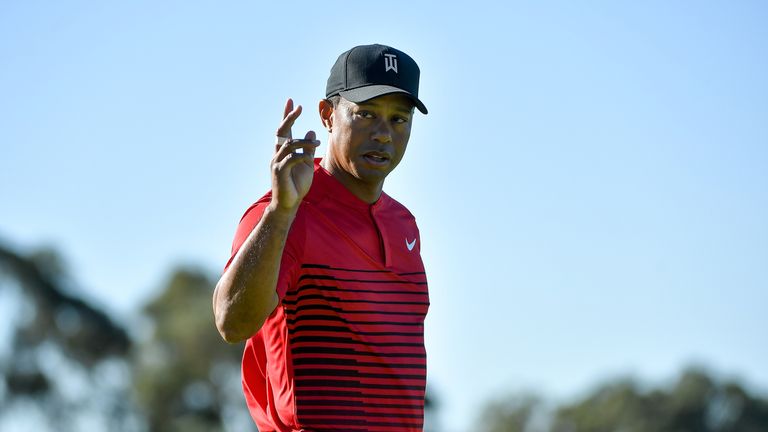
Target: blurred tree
x=613, y=406
x=431, y=410
x=186, y=377
x=696, y=402
x=64, y=359
x=515, y=413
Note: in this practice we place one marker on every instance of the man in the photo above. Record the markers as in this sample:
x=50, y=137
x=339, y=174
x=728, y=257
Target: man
x=326, y=281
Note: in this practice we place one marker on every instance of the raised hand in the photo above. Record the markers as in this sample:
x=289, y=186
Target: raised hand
x=291, y=171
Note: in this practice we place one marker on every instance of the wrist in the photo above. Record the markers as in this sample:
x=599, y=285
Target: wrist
x=285, y=214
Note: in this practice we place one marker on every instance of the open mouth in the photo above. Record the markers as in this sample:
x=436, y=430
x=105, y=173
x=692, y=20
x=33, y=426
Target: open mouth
x=376, y=158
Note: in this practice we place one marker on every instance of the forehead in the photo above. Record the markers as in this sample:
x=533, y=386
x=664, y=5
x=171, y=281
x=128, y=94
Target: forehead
x=394, y=101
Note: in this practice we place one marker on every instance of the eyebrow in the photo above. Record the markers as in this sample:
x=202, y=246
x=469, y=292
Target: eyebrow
x=399, y=107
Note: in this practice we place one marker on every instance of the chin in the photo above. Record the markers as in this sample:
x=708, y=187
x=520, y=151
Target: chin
x=371, y=175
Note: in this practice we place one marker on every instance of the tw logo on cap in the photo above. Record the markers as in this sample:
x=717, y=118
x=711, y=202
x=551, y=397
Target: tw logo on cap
x=390, y=62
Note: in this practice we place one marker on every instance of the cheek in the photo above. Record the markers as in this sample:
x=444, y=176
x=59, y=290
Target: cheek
x=405, y=131
x=356, y=131
x=404, y=137
x=352, y=137
x=347, y=129
x=343, y=148
x=400, y=151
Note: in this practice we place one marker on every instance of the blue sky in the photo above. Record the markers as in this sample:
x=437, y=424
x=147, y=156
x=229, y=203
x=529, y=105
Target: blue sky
x=590, y=182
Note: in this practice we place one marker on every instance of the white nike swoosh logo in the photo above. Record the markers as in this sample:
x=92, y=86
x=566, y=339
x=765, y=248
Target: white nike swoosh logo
x=410, y=245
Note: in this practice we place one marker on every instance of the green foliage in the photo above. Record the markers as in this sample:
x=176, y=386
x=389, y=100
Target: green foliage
x=180, y=377
x=614, y=406
x=185, y=374
x=696, y=402
x=80, y=330
x=58, y=341
x=515, y=413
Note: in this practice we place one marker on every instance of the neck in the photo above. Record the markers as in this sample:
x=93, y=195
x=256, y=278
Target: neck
x=367, y=192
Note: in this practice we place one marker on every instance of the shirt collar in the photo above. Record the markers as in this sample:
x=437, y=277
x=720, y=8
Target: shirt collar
x=332, y=188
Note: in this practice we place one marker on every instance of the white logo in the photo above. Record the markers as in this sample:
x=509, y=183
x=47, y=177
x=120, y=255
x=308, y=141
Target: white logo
x=390, y=62
x=410, y=245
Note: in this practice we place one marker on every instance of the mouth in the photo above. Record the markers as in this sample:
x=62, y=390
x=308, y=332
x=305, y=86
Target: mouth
x=377, y=158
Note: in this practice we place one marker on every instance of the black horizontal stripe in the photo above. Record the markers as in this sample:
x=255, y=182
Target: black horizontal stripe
x=346, y=429
x=357, y=394
x=356, y=403
x=340, y=300
x=353, y=362
x=335, y=288
x=337, y=318
x=355, y=422
x=339, y=329
x=329, y=277
x=327, y=267
x=340, y=310
x=340, y=384
x=354, y=413
x=352, y=352
x=343, y=340
x=352, y=373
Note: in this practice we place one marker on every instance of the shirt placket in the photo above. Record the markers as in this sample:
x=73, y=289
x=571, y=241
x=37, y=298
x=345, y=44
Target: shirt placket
x=381, y=230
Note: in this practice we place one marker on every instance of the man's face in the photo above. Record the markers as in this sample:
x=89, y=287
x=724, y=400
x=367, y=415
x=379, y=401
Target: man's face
x=369, y=138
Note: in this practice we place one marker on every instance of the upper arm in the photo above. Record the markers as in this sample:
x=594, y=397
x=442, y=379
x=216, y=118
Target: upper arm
x=247, y=223
x=290, y=261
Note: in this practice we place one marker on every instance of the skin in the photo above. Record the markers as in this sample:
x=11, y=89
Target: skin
x=380, y=128
x=366, y=142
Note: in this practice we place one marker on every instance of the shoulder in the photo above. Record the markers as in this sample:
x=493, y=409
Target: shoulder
x=249, y=220
x=256, y=210
x=396, y=206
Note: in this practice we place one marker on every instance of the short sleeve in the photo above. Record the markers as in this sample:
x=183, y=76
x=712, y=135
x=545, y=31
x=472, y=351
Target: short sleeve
x=290, y=262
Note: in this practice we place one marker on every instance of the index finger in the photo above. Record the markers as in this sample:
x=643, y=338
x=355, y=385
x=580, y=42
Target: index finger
x=290, y=114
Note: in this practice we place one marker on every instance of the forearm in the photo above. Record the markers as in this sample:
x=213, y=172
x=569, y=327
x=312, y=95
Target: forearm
x=246, y=294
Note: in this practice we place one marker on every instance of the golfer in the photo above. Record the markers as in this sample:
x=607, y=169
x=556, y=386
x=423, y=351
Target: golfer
x=325, y=282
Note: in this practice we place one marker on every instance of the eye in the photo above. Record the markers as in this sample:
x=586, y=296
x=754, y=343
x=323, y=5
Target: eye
x=365, y=114
x=399, y=119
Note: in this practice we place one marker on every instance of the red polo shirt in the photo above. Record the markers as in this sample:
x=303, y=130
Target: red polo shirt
x=344, y=349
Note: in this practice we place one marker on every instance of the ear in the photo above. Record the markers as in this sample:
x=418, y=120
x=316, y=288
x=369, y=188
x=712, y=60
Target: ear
x=326, y=110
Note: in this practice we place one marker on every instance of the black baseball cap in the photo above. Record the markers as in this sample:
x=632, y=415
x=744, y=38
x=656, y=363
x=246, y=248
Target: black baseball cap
x=368, y=71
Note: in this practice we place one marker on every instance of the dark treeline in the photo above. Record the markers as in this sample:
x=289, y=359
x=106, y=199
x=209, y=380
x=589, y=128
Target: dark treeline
x=69, y=366
x=696, y=402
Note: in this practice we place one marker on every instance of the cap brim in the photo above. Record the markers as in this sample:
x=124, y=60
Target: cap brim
x=362, y=94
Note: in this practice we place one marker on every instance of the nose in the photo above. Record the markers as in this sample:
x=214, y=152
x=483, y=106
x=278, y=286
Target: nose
x=382, y=132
